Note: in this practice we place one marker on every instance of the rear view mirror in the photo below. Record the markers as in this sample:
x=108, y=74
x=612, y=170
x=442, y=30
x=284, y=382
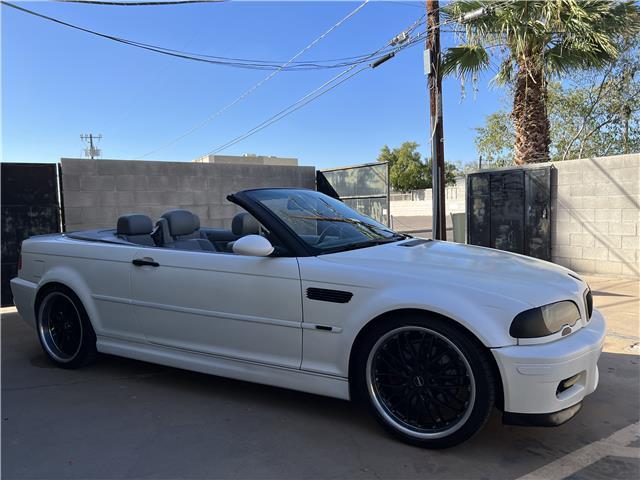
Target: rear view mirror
x=253, y=245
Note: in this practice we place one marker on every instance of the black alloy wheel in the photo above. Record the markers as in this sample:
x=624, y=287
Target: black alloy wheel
x=426, y=380
x=64, y=330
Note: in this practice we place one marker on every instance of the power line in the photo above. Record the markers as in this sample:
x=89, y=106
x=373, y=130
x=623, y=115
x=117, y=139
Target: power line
x=318, y=92
x=406, y=4
x=371, y=56
x=254, y=64
x=139, y=4
x=291, y=108
x=109, y=37
x=309, y=97
x=328, y=86
x=257, y=85
x=216, y=60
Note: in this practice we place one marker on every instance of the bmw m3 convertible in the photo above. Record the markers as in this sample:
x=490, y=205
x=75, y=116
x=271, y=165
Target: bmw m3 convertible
x=304, y=293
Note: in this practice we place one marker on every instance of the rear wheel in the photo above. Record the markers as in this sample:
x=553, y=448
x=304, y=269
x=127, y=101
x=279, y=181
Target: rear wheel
x=64, y=330
x=425, y=380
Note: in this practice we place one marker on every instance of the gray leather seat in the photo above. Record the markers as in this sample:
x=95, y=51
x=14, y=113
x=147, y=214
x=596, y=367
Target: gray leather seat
x=135, y=228
x=243, y=224
x=176, y=229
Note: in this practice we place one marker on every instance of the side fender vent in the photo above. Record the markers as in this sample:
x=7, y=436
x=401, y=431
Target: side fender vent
x=326, y=295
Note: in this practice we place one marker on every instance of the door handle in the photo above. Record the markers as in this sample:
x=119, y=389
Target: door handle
x=139, y=262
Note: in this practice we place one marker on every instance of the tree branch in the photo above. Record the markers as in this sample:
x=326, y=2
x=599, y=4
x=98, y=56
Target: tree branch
x=586, y=117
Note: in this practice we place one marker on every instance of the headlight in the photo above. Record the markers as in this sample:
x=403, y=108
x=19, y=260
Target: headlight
x=543, y=321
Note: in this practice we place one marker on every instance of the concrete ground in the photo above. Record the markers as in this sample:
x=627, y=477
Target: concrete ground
x=126, y=419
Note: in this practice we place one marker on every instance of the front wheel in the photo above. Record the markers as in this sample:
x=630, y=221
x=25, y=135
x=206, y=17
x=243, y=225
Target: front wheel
x=64, y=330
x=425, y=380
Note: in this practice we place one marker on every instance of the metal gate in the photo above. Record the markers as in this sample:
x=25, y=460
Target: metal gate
x=29, y=206
x=364, y=188
x=509, y=209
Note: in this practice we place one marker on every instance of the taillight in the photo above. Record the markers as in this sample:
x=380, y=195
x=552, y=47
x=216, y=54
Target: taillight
x=19, y=262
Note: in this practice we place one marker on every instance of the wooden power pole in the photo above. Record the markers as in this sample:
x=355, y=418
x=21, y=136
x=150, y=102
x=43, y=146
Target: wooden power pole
x=439, y=220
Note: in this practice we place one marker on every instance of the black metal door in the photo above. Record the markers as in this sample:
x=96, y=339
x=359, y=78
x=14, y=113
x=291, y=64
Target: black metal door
x=478, y=210
x=29, y=206
x=509, y=209
x=537, y=234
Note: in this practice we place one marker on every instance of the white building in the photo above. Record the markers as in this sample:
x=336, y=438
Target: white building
x=248, y=159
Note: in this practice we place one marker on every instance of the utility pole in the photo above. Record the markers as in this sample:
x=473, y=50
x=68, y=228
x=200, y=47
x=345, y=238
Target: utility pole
x=432, y=59
x=92, y=151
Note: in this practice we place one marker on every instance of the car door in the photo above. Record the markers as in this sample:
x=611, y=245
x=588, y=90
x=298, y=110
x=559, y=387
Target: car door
x=224, y=304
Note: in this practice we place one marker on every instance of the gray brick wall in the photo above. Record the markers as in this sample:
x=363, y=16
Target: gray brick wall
x=596, y=220
x=96, y=192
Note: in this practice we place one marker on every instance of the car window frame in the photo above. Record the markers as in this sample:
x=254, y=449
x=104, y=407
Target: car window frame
x=296, y=246
x=280, y=227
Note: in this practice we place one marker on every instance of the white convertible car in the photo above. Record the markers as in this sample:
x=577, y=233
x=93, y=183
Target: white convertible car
x=305, y=293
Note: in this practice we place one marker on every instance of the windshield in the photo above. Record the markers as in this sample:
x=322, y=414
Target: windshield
x=325, y=224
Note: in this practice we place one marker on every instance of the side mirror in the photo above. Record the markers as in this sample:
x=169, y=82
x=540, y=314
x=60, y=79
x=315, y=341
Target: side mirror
x=253, y=245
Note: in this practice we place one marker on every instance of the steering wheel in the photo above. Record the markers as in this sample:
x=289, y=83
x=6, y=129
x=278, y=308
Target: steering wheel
x=325, y=232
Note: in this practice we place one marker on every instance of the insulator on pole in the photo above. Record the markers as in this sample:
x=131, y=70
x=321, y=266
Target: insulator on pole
x=474, y=15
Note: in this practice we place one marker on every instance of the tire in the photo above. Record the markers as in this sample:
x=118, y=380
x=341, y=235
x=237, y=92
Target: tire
x=64, y=329
x=431, y=406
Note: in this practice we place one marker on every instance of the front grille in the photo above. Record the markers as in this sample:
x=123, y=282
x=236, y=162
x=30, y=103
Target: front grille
x=588, y=303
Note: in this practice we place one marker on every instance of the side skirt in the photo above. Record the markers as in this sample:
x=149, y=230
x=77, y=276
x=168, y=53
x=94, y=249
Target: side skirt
x=293, y=379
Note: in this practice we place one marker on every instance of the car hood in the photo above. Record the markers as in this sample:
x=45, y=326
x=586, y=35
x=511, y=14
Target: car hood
x=494, y=272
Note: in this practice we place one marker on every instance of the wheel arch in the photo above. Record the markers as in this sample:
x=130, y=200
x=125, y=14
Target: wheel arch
x=362, y=333
x=79, y=290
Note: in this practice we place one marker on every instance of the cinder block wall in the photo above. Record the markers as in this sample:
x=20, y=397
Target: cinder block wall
x=595, y=222
x=596, y=214
x=418, y=202
x=96, y=192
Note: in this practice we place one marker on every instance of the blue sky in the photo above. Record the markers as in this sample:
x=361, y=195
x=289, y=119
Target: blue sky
x=58, y=83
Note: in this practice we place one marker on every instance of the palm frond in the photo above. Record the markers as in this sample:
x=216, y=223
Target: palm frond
x=568, y=34
x=464, y=60
x=566, y=56
x=505, y=73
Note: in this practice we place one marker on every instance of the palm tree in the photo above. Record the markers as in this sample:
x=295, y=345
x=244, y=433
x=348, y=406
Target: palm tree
x=535, y=40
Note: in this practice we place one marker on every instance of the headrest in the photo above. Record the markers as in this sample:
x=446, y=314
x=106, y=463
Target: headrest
x=181, y=222
x=134, y=224
x=245, y=224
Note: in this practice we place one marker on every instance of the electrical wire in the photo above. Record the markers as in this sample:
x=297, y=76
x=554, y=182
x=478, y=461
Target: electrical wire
x=212, y=59
x=219, y=112
x=257, y=85
x=309, y=97
x=323, y=89
x=216, y=60
x=139, y=4
x=244, y=63
x=406, y=4
x=109, y=37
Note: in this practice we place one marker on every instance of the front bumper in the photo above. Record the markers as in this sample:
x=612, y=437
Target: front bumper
x=531, y=374
x=552, y=419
